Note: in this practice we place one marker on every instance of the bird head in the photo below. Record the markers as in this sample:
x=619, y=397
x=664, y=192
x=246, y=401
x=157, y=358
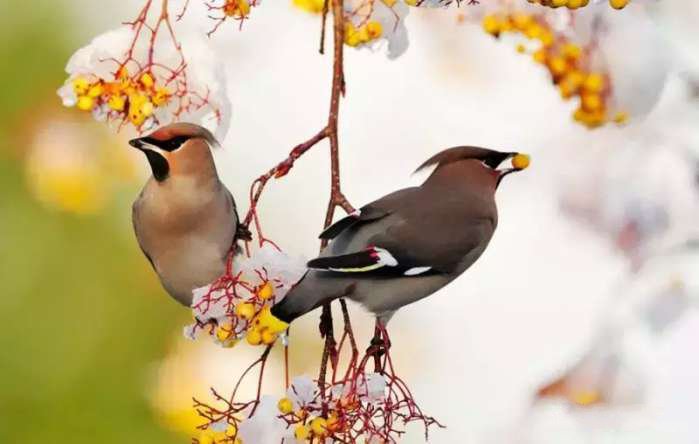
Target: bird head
x=178, y=149
x=480, y=164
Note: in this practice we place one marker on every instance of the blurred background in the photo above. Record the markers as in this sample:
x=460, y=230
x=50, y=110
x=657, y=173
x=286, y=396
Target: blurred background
x=577, y=325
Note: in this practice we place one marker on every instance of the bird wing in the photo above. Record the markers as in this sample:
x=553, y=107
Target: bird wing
x=368, y=213
x=135, y=222
x=241, y=231
x=432, y=236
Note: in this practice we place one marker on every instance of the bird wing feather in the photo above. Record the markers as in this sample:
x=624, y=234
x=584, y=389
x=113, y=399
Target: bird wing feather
x=410, y=239
x=368, y=213
x=135, y=222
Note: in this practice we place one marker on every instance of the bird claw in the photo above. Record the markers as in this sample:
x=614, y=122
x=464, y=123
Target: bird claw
x=378, y=347
x=243, y=233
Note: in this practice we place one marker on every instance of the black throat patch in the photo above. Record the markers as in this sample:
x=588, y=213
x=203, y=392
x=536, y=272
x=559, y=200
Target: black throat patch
x=158, y=164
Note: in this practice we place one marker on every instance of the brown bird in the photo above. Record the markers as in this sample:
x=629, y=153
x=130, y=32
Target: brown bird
x=410, y=243
x=185, y=218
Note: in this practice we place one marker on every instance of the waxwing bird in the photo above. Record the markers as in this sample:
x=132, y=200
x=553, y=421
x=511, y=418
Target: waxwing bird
x=185, y=219
x=410, y=243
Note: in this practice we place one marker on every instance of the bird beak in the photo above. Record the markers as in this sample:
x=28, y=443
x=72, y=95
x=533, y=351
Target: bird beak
x=136, y=143
x=520, y=161
x=146, y=144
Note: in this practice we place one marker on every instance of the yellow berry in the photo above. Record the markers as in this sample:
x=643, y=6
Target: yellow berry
x=540, y=56
x=575, y=78
x=353, y=39
x=224, y=331
x=591, y=102
x=546, y=39
x=85, y=103
x=333, y=422
x=231, y=430
x=521, y=49
x=558, y=66
x=80, y=85
x=594, y=83
x=521, y=21
x=618, y=4
x=268, y=336
x=254, y=337
x=136, y=107
x=122, y=73
x=534, y=31
x=147, y=108
x=312, y=6
x=491, y=25
x=574, y=4
x=589, y=119
x=245, y=310
x=207, y=437
x=521, y=161
x=95, y=90
x=374, y=29
x=566, y=90
x=236, y=8
x=266, y=291
x=319, y=426
x=285, y=406
x=116, y=103
x=147, y=80
x=571, y=51
x=301, y=432
x=161, y=96
x=266, y=319
x=363, y=35
x=558, y=3
x=389, y=3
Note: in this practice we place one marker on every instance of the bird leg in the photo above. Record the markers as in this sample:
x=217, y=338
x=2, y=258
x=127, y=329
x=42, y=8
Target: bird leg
x=243, y=232
x=379, y=345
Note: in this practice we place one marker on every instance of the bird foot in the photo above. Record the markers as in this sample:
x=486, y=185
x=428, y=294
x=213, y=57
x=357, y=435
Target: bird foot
x=243, y=233
x=378, y=347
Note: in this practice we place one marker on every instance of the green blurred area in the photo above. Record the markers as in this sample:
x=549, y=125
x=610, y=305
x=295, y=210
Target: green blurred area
x=83, y=320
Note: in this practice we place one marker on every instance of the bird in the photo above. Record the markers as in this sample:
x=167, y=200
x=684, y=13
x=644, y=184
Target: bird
x=185, y=219
x=410, y=243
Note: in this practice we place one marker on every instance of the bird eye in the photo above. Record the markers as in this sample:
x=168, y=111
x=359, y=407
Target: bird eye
x=174, y=143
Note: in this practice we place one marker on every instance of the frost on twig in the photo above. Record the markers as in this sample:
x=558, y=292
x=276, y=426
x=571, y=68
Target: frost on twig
x=141, y=74
x=355, y=404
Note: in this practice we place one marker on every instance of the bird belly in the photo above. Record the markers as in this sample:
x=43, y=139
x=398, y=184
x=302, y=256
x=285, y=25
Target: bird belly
x=187, y=265
x=381, y=296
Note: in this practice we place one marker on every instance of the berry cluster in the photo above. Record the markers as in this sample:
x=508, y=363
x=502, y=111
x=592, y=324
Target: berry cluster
x=575, y=4
x=366, y=33
x=236, y=8
x=233, y=308
x=229, y=9
x=567, y=63
x=126, y=98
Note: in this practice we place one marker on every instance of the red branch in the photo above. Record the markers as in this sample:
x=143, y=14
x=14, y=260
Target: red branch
x=356, y=416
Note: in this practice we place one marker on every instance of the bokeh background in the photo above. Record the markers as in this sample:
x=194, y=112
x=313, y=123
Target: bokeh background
x=577, y=325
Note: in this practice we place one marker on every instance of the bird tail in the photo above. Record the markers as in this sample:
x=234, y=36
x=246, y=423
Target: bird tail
x=306, y=295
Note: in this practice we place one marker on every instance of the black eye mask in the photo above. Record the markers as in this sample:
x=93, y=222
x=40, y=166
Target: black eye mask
x=495, y=159
x=166, y=145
